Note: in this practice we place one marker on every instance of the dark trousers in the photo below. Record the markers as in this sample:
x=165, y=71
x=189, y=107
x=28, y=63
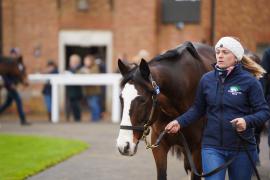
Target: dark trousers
x=13, y=95
x=75, y=108
x=268, y=134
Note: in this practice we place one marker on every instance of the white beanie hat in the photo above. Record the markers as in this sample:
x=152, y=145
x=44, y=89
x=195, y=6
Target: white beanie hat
x=233, y=45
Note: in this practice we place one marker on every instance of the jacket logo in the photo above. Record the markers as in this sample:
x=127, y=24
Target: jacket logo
x=235, y=90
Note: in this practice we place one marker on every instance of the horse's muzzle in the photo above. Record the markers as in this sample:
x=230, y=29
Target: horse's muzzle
x=127, y=149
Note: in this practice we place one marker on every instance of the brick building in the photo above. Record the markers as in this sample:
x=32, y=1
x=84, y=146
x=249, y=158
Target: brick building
x=53, y=29
x=123, y=27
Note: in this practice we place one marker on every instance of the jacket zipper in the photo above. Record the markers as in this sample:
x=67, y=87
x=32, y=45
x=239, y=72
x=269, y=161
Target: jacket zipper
x=222, y=110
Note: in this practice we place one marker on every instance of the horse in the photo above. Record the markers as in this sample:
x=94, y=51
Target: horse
x=13, y=67
x=176, y=73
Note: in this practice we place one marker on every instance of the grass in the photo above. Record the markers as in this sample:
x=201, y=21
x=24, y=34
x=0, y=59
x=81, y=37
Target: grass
x=23, y=156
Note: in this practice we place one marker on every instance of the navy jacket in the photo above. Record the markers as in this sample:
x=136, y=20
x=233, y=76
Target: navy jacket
x=240, y=95
x=47, y=88
x=10, y=81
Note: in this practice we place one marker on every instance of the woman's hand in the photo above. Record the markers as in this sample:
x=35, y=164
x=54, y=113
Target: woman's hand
x=173, y=127
x=240, y=124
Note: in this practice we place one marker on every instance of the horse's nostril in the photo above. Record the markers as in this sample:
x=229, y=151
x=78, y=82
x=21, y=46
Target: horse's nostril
x=126, y=148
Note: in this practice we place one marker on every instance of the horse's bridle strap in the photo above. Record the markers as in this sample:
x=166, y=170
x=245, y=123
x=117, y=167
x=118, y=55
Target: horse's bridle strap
x=145, y=128
x=135, y=128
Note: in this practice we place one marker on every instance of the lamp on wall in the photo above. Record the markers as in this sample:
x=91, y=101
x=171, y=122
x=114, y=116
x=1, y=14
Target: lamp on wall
x=180, y=25
x=82, y=5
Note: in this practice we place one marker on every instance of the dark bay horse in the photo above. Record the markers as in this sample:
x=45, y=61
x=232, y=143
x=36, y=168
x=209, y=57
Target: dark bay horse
x=13, y=67
x=177, y=73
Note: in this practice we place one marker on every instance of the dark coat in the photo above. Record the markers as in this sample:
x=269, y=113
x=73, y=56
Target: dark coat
x=240, y=95
x=47, y=88
x=266, y=79
x=74, y=92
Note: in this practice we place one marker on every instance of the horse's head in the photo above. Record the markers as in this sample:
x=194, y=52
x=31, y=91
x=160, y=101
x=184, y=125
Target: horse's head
x=14, y=66
x=20, y=71
x=136, y=101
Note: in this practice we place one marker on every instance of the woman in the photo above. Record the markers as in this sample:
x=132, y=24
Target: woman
x=232, y=99
x=51, y=68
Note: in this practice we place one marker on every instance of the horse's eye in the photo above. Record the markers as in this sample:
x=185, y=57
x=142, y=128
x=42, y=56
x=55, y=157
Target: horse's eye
x=140, y=99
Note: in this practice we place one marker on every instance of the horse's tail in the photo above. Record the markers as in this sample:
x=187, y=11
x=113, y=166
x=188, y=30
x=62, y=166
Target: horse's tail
x=177, y=151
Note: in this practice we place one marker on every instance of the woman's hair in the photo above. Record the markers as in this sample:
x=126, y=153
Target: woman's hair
x=251, y=66
x=251, y=61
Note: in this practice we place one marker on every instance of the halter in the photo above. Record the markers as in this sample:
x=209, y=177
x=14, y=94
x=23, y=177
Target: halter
x=146, y=127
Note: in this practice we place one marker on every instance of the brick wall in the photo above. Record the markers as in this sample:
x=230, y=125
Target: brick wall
x=169, y=36
x=136, y=25
x=30, y=26
x=135, y=28
x=98, y=16
x=249, y=20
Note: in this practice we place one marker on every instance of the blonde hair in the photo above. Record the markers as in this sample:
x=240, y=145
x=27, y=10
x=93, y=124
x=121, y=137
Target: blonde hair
x=250, y=62
x=251, y=66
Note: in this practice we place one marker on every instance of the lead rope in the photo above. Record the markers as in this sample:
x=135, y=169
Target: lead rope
x=192, y=165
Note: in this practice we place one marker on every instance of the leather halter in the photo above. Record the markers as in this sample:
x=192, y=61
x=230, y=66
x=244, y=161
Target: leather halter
x=145, y=128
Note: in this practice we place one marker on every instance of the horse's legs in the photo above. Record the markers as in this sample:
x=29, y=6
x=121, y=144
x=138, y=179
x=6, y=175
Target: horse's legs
x=160, y=155
x=196, y=155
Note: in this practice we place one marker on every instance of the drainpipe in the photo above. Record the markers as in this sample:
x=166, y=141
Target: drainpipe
x=1, y=28
x=213, y=18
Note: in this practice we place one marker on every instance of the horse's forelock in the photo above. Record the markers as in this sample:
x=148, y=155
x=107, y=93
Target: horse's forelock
x=135, y=77
x=128, y=76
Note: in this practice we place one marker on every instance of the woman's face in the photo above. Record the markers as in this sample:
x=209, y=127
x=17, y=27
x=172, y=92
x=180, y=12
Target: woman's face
x=225, y=58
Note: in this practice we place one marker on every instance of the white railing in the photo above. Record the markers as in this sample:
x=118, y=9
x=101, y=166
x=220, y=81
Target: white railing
x=57, y=80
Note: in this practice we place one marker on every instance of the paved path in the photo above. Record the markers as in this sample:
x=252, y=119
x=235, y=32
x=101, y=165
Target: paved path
x=102, y=160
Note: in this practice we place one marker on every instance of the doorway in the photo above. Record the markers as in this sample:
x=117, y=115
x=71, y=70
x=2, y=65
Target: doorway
x=99, y=52
x=82, y=42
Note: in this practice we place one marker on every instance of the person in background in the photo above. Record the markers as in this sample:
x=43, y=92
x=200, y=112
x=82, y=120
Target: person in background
x=232, y=99
x=74, y=93
x=92, y=93
x=51, y=68
x=266, y=84
x=10, y=83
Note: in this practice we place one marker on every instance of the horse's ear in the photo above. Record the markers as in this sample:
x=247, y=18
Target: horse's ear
x=20, y=59
x=144, y=69
x=123, y=68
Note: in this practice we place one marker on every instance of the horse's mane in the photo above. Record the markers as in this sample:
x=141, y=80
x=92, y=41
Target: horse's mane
x=7, y=60
x=170, y=54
